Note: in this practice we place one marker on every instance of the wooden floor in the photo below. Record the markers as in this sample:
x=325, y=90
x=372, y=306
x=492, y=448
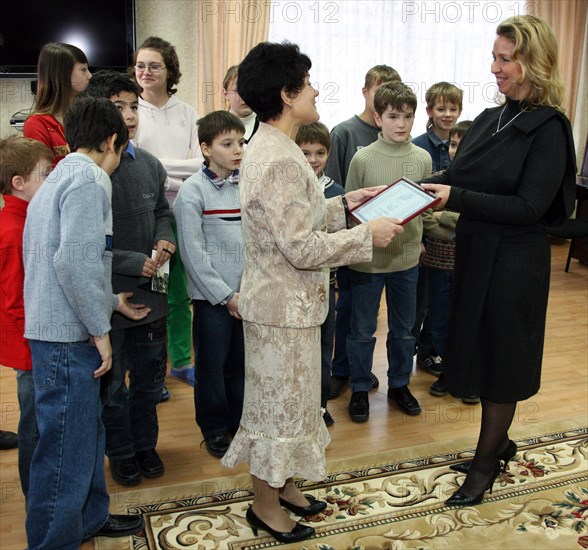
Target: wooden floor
x=564, y=394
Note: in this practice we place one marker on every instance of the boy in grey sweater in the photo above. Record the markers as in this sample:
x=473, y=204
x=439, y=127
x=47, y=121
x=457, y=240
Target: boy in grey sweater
x=68, y=303
x=208, y=214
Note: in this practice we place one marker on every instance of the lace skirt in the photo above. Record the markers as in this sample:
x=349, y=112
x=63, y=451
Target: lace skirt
x=282, y=433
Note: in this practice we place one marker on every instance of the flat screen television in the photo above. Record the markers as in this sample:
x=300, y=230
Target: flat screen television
x=103, y=29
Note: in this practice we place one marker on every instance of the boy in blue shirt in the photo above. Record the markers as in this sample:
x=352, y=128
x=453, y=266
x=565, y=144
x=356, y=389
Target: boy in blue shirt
x=142, y=223
x=444, y=105
x=68, y=304
x=208, y=215
x=315, y=142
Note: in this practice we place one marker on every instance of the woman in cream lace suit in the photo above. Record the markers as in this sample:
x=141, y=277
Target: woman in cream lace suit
x=292, y=236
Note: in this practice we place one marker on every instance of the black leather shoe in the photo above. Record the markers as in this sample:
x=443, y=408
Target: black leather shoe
x=217, y=445
x=300, y=532
x=405, y=400
x=314, y=506
x=460, y=499
x=8, y=440
x=328, y=419
x=120, y=526
x=150, y=464
x=359, y=406
x=125, y=471
x=505, y=456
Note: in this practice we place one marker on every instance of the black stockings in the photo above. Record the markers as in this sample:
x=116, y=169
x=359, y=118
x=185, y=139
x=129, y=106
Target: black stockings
x=493, y=439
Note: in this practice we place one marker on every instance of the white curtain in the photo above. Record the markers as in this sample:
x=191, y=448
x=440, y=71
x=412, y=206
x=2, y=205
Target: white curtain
x=425, y=41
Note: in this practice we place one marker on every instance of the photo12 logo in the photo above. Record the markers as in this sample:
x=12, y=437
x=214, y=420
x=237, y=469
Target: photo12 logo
x=255, y=12
x=454, y=12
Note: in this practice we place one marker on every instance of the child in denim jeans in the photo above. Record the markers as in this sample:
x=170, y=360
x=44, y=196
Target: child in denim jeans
x=315, y=142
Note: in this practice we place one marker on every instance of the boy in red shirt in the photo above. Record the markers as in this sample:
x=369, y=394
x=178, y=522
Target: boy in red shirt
x=24, y=165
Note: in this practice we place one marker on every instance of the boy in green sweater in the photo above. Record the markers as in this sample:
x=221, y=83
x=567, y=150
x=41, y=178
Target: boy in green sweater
x=395, y=267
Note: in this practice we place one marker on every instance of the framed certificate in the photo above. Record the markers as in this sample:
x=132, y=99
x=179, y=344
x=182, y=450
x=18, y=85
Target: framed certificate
x=404, y=199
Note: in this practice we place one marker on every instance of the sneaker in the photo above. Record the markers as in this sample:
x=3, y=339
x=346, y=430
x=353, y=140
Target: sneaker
x=433, y=363
x=185, y=375
x=438, y=388
x=359, y=406
x=375, y=381
x=328, y=419
x=470, y=400
x=165, y=395
x=336, y=386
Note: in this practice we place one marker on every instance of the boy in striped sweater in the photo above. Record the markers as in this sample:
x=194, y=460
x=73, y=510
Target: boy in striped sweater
x=395, y=267
x=208, y=217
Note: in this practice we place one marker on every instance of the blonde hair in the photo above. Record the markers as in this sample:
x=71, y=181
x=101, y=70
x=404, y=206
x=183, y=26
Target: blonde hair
x=381, y=74
x=18, y=157
x=536, y=52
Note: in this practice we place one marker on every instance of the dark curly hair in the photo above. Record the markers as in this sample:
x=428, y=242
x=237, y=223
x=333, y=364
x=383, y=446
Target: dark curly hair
x=170, y=59
x=109, y=83
x=268, y=69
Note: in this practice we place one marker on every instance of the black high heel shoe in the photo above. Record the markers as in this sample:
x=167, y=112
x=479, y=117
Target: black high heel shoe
x=300, y=532
x=460, y=499
x=505, y=456
x=314, y=507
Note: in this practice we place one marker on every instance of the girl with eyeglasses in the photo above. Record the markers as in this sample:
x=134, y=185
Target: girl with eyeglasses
x=169, y=131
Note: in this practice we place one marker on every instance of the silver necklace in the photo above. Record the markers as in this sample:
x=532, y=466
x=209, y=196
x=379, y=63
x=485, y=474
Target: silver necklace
x=498, y=128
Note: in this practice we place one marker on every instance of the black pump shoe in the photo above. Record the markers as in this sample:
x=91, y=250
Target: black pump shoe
x=460, y=499
x=300, y=532
x=505, y=456
x=314, y=507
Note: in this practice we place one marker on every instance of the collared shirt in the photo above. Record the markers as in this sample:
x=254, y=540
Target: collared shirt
x=130, y=149
x=436, y=147
x=217, y=181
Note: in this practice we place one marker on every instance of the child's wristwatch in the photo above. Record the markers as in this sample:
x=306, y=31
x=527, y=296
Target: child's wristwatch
x=227, y=299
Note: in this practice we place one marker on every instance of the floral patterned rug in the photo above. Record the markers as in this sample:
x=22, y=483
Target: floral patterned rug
x=540, y=501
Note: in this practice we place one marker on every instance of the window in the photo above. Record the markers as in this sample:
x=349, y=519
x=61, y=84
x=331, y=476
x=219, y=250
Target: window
x=425, y=41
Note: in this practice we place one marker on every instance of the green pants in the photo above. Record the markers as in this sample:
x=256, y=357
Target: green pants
x=179, y=316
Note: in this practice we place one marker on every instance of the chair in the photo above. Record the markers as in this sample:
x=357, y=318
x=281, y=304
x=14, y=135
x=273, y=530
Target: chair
x=570, y=229
x=576, y=228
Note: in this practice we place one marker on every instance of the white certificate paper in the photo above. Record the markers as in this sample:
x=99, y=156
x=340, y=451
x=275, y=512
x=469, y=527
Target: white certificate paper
x=403, y=199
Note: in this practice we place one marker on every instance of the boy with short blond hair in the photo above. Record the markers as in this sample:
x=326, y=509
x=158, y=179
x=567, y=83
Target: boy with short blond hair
x=208, y=216
x=359, y=131
x=444, y=106
x=347, y=138
x=395, y=267
x=315, y=142
x=24, y=165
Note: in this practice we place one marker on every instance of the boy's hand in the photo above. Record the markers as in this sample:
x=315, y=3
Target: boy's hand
x=233, y=306
x=164, y=249
x=440, y=190
x=102, y=344
x=149, y=268
x=136, y=312
x=360, y=195
x=384, y=230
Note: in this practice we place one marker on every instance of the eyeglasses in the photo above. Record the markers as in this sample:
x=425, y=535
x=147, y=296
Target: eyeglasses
x=153, y=68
